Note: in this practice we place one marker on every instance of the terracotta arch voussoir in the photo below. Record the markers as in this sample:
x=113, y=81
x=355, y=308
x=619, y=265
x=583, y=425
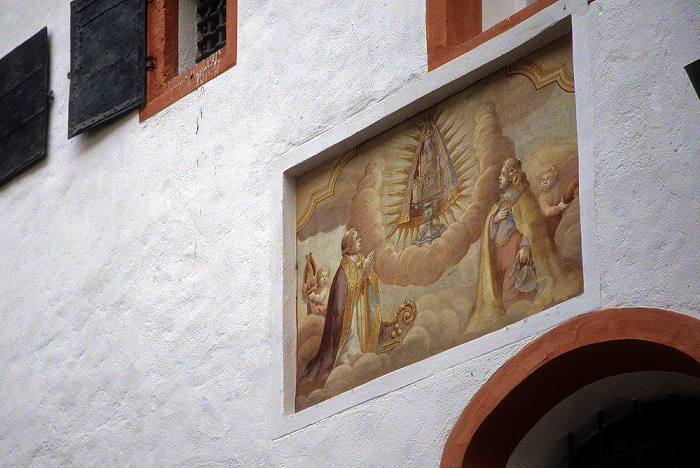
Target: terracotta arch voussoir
x=558, y=363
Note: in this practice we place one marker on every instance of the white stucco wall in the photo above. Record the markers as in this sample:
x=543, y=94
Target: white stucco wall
x=141, y=294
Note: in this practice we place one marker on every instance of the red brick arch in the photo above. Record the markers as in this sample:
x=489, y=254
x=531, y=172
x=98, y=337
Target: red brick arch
x=558, y=363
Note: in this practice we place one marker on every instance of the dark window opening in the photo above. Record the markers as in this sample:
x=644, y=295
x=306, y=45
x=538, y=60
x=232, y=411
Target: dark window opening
x=211, y=27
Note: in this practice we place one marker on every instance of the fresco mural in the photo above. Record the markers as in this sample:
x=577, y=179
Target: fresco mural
x=453, y=224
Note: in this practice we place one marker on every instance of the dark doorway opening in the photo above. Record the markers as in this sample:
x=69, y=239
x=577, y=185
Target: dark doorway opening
x=661, y=435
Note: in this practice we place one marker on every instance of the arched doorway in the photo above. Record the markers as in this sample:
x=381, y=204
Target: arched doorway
x=569, y=357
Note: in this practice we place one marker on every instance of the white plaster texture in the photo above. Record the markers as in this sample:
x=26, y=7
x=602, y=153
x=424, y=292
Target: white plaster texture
x=142, y=294
x=647, y=152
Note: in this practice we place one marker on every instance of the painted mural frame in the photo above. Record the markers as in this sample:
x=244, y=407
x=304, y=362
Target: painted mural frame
x=307, y=265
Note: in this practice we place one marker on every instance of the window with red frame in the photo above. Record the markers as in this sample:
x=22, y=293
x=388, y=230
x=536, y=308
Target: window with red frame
x=454, y=27
x=127, y=54
x=189, y=42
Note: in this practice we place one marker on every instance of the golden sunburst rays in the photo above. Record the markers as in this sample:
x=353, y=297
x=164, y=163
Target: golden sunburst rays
x=414, y=136
x=462, y=170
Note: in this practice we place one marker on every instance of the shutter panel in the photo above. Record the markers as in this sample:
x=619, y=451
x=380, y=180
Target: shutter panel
x=24, y=84
x=108, y=61
x=693, y=71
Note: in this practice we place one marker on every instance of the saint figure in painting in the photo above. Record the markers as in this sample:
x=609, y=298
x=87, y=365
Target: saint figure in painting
x=517, y=259
x=353, y=316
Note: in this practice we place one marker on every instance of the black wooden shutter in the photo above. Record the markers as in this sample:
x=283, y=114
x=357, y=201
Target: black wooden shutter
x=693, y=70
x=108, y=61
x=24, y=85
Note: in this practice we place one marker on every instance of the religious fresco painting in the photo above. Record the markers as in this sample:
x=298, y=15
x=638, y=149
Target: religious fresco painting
x=457, y=222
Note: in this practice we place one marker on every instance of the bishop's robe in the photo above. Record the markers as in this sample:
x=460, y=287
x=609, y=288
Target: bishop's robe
x=352, y=302
x=559, y=278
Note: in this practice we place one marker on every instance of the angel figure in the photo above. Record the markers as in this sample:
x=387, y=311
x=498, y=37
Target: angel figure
x=315, y=289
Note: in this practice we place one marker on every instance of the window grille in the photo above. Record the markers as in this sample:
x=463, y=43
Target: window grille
x=664, y=435
x=211, y=27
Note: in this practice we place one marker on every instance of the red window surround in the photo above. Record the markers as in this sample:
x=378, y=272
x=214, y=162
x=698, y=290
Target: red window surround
x=453, y=27
x=163, y=84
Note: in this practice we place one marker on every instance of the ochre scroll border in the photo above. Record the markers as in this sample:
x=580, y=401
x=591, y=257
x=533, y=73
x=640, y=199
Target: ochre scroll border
x=324, y=192
x=561, y=73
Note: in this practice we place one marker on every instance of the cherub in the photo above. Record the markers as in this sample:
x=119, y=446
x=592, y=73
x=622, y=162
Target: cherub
x=551, y=204
x=315, y=294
